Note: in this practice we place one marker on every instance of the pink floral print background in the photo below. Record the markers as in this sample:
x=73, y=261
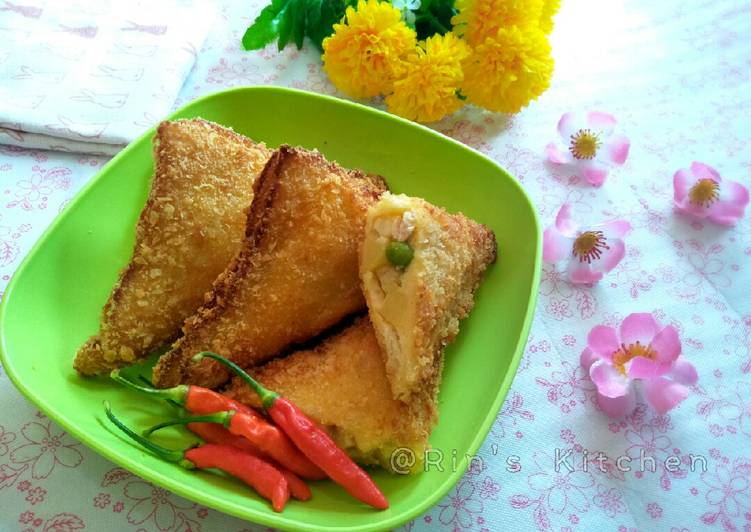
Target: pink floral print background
x=678, y=77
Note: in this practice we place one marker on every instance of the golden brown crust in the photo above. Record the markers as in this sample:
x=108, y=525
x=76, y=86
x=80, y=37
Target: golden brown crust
x=295, y=276
x=342, y=385
x=189, y=229
x=416, y=311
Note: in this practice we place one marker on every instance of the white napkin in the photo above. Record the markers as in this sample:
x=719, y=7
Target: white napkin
x=90, y=76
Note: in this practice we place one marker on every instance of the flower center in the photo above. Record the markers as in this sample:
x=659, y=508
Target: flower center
x=584, y=144
x=625, y=354
x=589, y=246
x=704, y=192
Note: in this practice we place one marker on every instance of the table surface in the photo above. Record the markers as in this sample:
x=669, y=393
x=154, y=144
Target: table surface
x=677, y=75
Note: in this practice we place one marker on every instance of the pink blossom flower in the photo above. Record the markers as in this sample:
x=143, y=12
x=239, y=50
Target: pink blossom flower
x=639, y=352
x=700, y=192
x=592, y=147
x=591, y=252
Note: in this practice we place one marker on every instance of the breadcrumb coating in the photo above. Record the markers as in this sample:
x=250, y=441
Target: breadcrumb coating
x=190, y=228
x=341, y=384
x=296, y=275
x=416, y=310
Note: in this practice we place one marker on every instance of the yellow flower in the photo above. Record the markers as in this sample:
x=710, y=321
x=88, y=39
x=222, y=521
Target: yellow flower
x=427, y=92
x=506, y=72
x=365, y=53
x=479, y=19
x=549, y=8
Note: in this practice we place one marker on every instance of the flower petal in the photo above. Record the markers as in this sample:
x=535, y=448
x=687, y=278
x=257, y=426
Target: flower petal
x=610, y=257
x=164, y=516
x=24, y=453
x=43, y=466
x=140, y=512
x=569, y=124
x=615, y=228
x=704, y=171
x=664, y=394
x=609, y=381
x=563, y=221
x=555, y=246
x=603, y=123
x=715, y=496
x=587, y=358
x=35, y=432
x=558, y=156
x=594, y=171
x=557, y=499
x=581, y=272
x=68, y=456
x=540, y=481
x=683, y=372
x=666, y=344
x=617, y=407
x=603, y=340
x=644, y=368
x=616, y=149
x=638, y=327
x=682, y=182
x=731, y=205
x=138, y=489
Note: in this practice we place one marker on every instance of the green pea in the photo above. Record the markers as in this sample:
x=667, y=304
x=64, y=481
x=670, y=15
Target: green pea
x=399, y=253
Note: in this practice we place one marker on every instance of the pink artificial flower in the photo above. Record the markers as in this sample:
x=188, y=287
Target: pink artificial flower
x=591, y=251
x=639, y=352
x=591, y=146
x=700, y=191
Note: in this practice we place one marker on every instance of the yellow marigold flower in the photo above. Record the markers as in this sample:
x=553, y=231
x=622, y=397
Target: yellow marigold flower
x=506, y=72
x=479, y=19
x=365, y=53
x=427, y=92
x=549, y=9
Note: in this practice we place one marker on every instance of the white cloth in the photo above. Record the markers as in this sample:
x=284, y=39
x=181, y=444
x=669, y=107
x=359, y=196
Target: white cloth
x=90, y=76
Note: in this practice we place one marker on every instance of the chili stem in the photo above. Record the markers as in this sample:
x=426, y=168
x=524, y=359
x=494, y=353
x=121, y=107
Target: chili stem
x=151, y=384
x=170, y=455
x=176, y=394
x=222, y=418
x=267, y=396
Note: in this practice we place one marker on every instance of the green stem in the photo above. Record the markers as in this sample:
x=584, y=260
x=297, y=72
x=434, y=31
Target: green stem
x=267, y=396
x=222, y=418
x=178, y=394
x=170, y=455
x=170, y=401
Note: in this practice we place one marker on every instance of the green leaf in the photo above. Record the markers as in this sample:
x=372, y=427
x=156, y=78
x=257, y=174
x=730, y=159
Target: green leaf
x=285, y=25
x=434, y=17
x=321, y=19
x=265, y=28
x=299, y=8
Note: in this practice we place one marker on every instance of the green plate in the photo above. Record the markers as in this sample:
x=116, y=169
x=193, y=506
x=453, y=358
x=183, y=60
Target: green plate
x=53, y=302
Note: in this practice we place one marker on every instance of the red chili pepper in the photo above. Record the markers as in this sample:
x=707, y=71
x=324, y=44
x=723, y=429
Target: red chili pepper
x=247, y=423
x=311, y=440
x=264, y=436
x=195, y=399
x=267, y=480
x=213, y=433
x=263, y=477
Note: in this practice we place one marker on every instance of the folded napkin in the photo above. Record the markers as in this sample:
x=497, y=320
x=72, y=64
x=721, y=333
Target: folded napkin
x=90, y=76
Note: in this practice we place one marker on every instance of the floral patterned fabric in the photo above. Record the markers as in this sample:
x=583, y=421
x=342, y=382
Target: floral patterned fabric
x=677, y=76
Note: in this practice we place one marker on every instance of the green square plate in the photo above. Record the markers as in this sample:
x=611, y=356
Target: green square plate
x=53, y=302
